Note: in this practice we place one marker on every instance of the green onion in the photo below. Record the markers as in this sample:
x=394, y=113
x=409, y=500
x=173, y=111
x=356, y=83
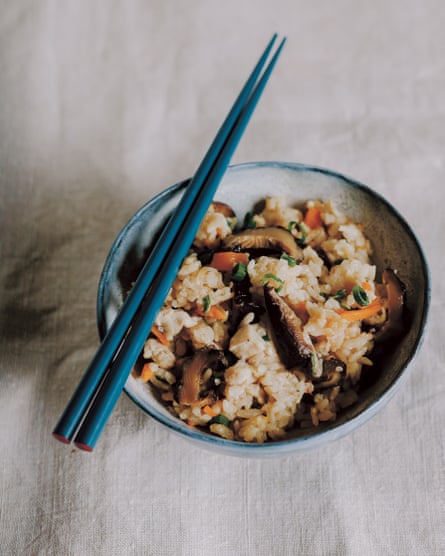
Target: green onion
x=249, y=222
x=338, y=261
x=360, y=296
x=339, y=295
x=206, y=257
x=239, y=272
x=266, y=338
x=290, y=260
x=270, y=276
x=220, y=419
x=206, y=303
x=300, y=228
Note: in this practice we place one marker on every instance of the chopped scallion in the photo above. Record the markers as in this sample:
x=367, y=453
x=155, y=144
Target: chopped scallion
x=290, y=260
x=301, y=229
x=269, y=276
x=360, y=296
x=239, y=272
x=220, y=419
x=249, y=221
x=206, y=302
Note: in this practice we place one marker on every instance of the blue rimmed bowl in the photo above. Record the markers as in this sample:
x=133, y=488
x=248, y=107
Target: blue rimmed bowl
x=394, y=245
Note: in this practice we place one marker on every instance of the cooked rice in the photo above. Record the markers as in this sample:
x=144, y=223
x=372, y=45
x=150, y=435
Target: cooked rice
x=256, y=398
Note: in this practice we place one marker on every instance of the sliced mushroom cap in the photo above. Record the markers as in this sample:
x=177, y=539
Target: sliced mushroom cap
x=287, y=330
x=223, y=208
x=333, y=370
x=272, y=237
x=189, y=392
x=395, y=289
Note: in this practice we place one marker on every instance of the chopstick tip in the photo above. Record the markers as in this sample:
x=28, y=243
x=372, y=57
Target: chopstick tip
x=83, y=446
x=61, y=438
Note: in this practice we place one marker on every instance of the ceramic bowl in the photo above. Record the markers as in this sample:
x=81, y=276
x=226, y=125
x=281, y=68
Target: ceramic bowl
x=394, y=245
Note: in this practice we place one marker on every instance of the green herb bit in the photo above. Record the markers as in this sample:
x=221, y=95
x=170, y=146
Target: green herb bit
x=360, y=296
x=290, y=260
x=249, y=221
x=206, y=257
x=239, y=272
x=220, y=419
x=269, y=276
x=301, y=229
x=206, y=302
x=339, y=295
x=266, y=338
x=338, y=261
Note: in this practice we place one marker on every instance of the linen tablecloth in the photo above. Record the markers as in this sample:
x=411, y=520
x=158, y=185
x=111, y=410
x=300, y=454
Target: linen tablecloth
x=103, y=105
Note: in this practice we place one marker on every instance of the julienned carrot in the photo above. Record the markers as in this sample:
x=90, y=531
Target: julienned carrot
x=160, y=335
x=226, y=260
x=216, y=312
x=146, y=373
x=363, y=313
x=212, y=410
x=312, y=218
x=366, y=286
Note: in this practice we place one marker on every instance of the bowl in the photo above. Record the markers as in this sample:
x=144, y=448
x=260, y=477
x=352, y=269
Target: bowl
x=394, y=246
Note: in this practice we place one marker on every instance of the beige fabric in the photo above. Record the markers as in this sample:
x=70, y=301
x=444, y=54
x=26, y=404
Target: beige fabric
x=104, y=104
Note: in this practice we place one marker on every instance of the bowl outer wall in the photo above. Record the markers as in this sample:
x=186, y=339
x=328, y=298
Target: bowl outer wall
x=394, y=244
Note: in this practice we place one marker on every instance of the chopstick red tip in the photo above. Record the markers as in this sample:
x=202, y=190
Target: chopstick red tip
x=61, y=438
x=83, y=447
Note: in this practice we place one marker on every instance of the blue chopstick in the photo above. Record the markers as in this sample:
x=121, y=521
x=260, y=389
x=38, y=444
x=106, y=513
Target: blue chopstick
x=74, y=412
x=111, y=389
x=94, y=376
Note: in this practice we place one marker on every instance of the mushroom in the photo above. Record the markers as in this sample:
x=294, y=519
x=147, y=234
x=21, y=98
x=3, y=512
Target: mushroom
x=294, y=348
x=193, y=369
x=223, y=208
x=333, y=370
x=273, y=237
x=395, y=290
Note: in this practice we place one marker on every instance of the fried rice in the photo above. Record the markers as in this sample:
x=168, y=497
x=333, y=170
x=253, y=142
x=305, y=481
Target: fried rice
x=269, y=322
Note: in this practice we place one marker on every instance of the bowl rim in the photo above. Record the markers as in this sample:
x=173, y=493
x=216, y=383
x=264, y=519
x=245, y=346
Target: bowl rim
x=303, y=441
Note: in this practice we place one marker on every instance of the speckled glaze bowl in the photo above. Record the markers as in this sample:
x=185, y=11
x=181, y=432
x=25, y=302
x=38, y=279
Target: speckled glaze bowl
x=394, y=244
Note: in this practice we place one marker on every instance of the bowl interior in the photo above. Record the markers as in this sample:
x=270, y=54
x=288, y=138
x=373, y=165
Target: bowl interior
x=394, y=246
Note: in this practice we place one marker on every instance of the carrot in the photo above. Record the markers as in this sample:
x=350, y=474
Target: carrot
x=364, y=313
x=191, y=423
x=366, y=286
x=160, y=335
x=312, y=218
x=212, y=410
x=216, y=312
x=146, y=373
x=226, y=260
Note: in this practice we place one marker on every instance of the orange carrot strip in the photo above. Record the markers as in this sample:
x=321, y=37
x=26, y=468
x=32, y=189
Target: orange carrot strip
x=312, y=218
x=191, y=423
x=146, y=373
x=364, y=313
x=160, y=335
x=366, y=286
x=226, y=260
x=213, y=410
x=216, y=312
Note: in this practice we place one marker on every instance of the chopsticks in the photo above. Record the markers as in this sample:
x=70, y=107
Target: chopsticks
x=99, y=389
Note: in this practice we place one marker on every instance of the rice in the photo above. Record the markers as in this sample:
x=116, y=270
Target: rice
x=217, y=362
